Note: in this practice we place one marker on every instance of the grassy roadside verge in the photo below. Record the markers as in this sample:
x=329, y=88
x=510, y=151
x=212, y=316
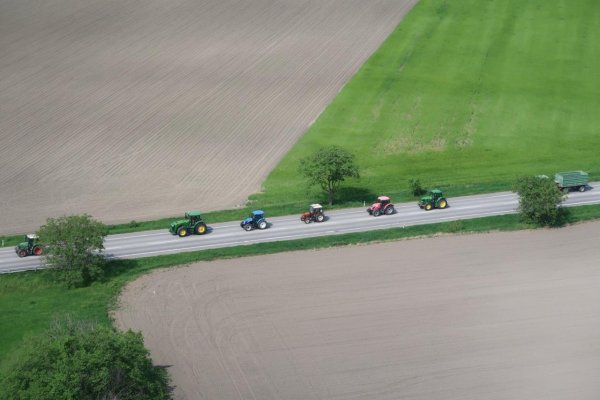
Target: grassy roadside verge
x=30, y=300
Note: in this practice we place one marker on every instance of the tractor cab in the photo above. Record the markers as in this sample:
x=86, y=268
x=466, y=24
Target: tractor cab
x=29, y=247
x=383, y=201
x=316, y=209
x=436, y=194
x=193, y=217
x=257, y=215
x=31, y=239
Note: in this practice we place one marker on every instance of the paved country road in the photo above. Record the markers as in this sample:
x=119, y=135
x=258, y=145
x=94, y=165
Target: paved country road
x=229, y=234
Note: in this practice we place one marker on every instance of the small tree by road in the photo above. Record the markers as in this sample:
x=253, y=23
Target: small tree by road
x=540, y=201
x=328, y=168
x=74, y=246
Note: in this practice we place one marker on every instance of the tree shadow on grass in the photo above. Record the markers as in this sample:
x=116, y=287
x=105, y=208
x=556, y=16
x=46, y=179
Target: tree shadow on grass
x=352, y=194
x=117, y=267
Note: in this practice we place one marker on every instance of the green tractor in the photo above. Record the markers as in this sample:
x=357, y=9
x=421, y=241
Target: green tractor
x=30, y=247
x=191, y=224
x=435, y=199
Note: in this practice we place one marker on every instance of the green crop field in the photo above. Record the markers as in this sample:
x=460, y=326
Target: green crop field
x=466, y=95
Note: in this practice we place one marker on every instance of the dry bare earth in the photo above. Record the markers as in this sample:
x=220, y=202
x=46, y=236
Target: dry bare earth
x=143, y=109
x=495, y=316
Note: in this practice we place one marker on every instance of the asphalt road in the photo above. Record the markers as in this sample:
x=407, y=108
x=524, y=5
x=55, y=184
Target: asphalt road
x=229, y=234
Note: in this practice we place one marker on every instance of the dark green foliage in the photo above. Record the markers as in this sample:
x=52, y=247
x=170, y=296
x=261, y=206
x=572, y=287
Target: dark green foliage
x=74, y=248
x=540, y=201
x=415, y=187
x=328, y=168
x=75, y=360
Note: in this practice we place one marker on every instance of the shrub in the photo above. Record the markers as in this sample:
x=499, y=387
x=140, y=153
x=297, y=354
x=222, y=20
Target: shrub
x=414, y=185
x=76, y=360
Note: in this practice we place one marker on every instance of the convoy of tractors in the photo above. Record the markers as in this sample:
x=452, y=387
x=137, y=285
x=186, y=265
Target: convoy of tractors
x=193, y=223
x=256, y=220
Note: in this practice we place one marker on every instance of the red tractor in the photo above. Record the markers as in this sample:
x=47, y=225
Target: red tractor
x=383, y=206
x=314, y=214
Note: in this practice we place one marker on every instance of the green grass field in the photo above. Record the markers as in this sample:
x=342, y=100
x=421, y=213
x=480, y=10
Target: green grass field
x=466, y=95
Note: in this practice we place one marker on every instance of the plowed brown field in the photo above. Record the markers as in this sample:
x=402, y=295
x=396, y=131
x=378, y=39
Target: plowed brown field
x=143, y=109
x=496, y=316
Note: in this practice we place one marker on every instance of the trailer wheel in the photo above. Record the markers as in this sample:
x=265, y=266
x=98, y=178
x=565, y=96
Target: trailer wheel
x=565, y=190
x=582, y=188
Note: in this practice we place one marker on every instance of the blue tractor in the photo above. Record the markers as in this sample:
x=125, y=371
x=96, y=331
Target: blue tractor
x=255, y=220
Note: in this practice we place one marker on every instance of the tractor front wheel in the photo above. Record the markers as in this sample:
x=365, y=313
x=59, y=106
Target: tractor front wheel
x=443, y=204
x=428, y=207
x=182, y=232
x=389, y=210
x=38, y=250
x=262, y=225
x=200, y=229
x=247, y=227
x=320, y=218
x=376, y=213
x=306, y=220
x=22, y=253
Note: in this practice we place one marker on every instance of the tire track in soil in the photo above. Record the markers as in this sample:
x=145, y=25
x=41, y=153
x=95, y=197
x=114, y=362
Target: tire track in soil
x=382, y=321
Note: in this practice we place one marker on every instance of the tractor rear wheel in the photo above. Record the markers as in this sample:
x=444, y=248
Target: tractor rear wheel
x=389, y=210
x=182, y=232
x=38, y=250
x=200, y=229
x=262, y=225
x=247, y=227
x=22, y=253
x=320, y=218
x=443, y=203
x=428, y=206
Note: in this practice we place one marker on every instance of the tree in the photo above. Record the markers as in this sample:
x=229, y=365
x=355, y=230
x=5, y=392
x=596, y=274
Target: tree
x=540, y=201
x=328, y=168
x=76, y=360
x=74, y=248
